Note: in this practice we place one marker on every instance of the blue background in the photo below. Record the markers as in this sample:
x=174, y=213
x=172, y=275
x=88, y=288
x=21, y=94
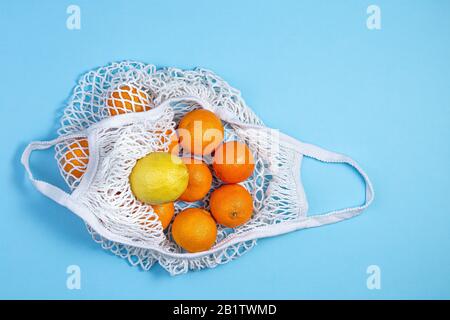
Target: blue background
x=309, y=68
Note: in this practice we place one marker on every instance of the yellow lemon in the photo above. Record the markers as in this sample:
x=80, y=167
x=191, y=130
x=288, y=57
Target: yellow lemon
x=159, y=177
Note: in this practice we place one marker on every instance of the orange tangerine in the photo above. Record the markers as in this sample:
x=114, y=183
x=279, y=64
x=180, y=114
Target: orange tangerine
x=233, y=162
x=174, y=147
x=127, y=98
x=194, y=230
x=165, y=213
x=200, y=179
x=231, y=205
x=76, y=158
x=200, y=132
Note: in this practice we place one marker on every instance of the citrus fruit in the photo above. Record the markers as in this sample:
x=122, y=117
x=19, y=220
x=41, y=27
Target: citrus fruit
x=164, y=212
x=76, y=158
x=233, y=162
x=200, y=132
x=174, y=147
x=200, y=179
x=231, y=205
x=127, y=98
x=159, y=177
x=194, y=230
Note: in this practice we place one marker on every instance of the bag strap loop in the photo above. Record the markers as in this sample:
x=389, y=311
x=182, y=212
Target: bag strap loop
x=48, y=189
x=323, y=155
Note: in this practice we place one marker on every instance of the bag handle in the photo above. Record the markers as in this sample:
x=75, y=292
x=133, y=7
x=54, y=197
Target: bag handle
x=327, y=156
x=53, y=192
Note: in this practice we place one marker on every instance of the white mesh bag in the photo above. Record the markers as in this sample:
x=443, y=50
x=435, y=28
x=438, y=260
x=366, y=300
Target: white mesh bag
x=100, y=141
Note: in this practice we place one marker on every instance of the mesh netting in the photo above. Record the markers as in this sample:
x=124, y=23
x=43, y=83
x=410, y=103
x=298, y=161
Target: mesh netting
x=134, y=87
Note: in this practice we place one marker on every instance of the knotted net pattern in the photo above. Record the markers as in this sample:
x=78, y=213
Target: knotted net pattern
x=272, y=184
